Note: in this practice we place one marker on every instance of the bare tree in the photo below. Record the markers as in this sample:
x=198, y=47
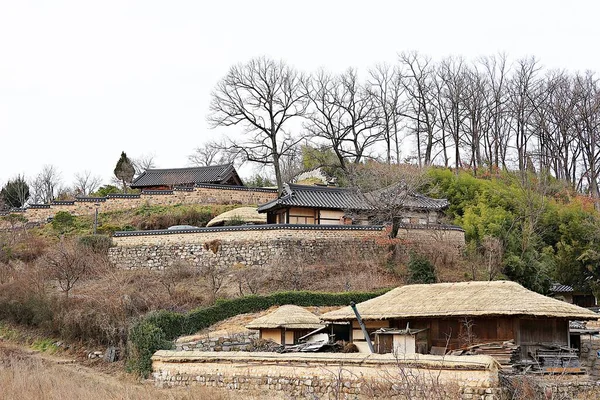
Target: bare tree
x=418, y=78
x=587, y=127
x=66, y=263
x=497, y=135
x=522, y=88
x=343, y=113
x=86, y=183
x=386, y=189
x=213, y=277
x=451, y=88
x=385, y=86
x=46, y=184
x=262, y=95
x=144, y=162
x=213, y=153
x=475, y=100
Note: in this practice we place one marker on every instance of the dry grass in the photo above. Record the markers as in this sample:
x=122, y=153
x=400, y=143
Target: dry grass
x=25, y=376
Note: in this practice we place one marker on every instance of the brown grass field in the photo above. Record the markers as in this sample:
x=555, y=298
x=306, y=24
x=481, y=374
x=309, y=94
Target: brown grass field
x=28, y=375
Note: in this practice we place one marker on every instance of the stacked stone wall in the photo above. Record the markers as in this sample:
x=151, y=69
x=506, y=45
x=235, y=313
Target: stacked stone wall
x=204, y=194
x=247, y=246
x=226, y=247
x=327, y=375
x=241, y=341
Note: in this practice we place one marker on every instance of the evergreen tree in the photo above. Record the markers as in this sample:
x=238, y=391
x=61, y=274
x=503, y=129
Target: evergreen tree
x=124, y=171
x=16, y=192
x=421, y=270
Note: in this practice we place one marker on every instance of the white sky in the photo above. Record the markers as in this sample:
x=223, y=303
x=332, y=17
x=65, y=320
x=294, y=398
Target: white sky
x=80, y=81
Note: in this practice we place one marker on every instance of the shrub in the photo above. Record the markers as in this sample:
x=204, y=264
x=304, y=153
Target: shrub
x=96, y=243
x=421, y=270
x=236, y=221
x=147, y=338
x=63, y=221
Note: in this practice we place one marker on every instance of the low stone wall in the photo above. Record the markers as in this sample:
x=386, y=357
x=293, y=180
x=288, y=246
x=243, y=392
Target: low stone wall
x=553, y=386
x=321, y=375
x=241, y=341
x=201, y=194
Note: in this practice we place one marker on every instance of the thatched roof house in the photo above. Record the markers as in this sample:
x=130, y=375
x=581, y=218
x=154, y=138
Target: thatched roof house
x=246, y=214
x=286, y=324
x=454, y=314
x=462, y=299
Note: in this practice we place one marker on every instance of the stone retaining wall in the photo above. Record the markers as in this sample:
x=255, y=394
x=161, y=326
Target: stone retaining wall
x=258, y=245
x=201, y=194
x=228, y=246
x=322, y=375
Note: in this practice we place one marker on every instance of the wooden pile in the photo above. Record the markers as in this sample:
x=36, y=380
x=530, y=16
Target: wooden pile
x=506, y=353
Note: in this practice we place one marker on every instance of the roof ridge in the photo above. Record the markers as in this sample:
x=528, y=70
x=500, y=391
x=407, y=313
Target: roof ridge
x=188, y=168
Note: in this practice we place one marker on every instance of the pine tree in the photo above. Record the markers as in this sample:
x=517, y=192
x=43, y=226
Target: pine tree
x=421, y=270
x=16, y=192
x=124, y=171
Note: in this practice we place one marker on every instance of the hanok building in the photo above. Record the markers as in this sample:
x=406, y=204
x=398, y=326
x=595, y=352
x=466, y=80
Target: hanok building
x=450, y=315
x=326, y=205
x=167, y=179
x=567, y=293
x=286, y=324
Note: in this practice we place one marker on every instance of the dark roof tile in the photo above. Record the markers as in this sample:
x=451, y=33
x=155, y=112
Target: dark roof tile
x=184, y=176
x=347, y=199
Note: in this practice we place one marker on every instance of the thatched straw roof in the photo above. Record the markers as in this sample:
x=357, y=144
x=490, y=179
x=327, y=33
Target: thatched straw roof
x=246, y=214
x=289, y=317
x=461, y=299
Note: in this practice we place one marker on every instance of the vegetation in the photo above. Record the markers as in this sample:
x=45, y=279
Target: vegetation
x=124, y=171
x=420, y=270
x=16, y=192
x=533, y=231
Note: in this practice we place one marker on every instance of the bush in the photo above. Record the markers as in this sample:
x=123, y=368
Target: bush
x=152, y=332
x=421, y=270
x=96, y=243
x=147, y=338
x=63, y=221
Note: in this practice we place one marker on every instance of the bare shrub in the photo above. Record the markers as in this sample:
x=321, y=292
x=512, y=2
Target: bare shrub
x=67, y=264
x=173, y=276
x=213, y=277
x=249, y=278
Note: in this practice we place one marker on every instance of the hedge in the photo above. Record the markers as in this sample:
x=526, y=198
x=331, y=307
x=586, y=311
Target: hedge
x=156, y=330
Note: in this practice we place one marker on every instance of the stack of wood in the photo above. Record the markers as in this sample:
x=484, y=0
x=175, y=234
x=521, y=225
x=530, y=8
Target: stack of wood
x=506, y=353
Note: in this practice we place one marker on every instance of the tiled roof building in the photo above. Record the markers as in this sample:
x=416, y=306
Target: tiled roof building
x=169, y=178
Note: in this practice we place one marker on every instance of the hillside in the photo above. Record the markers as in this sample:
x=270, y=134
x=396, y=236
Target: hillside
x=530, y=229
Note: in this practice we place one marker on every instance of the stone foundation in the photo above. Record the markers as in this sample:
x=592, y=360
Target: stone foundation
x=323, y=375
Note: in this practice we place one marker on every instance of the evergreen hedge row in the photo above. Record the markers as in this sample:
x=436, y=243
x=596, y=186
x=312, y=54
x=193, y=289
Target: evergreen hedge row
x=156, y=330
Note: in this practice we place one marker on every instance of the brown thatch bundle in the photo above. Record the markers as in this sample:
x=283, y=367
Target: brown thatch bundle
x=246, y=214
x=461, y=299
x=288, y=317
